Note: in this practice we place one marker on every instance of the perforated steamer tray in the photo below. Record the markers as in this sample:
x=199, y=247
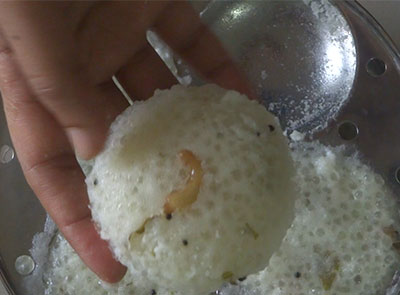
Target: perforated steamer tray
x=327, y=70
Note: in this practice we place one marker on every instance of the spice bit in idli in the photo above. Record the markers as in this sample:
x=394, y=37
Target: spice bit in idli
x=142, y=228
x=258, y=134
x=252, y=231
x=153, y=292
x=271, y=128
x=392, y=233
x=95, y=182
x=227, y=275
x=396, y=246
x=242, y=279
x=297, y=275
x=185, y=242
x=328, y=277
x=394, y=236
x=188, y=195
x=168, y=216
x=357, y=279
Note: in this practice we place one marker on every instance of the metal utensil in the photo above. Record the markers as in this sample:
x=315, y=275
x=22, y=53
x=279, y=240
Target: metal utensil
x=326, y=69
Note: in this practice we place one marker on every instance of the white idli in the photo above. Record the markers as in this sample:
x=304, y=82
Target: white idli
x=193, y=188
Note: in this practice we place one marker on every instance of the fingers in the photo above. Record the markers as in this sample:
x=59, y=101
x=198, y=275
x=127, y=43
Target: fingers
x=42, y=39
x=51, y=169
x=113, y=32
x=120, y=28
x=145, y=73
x=180, y=26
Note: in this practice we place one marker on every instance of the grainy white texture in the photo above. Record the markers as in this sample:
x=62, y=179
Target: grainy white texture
x=337, y=242
x=341, y=210
x=245, y=202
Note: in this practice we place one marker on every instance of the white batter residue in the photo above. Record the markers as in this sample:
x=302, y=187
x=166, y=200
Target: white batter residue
x=340, y=241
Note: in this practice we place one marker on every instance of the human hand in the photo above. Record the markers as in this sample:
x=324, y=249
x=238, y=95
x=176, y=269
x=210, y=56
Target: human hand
x=56, y=64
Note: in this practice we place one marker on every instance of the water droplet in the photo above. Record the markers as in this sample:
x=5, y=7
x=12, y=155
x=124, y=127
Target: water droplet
x=357, y=195
x=6, y=154
x=24, y=265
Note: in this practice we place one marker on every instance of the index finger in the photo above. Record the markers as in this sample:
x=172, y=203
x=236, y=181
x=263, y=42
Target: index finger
x=181, y=28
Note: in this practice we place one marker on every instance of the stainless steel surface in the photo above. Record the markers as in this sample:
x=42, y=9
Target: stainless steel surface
x=374, y=105
x=386, y=12
x=300, y=56
x=21, y=215
x=303, y=58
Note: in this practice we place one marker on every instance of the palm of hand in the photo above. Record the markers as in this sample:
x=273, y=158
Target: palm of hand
x=56, y=64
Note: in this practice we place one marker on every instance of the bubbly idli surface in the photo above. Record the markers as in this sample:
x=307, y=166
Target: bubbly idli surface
x=194, y=188
x=342, y=240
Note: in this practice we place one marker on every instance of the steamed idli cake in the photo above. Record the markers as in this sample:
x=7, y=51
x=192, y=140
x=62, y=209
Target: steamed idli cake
x=342, y=239
x=193, y=188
